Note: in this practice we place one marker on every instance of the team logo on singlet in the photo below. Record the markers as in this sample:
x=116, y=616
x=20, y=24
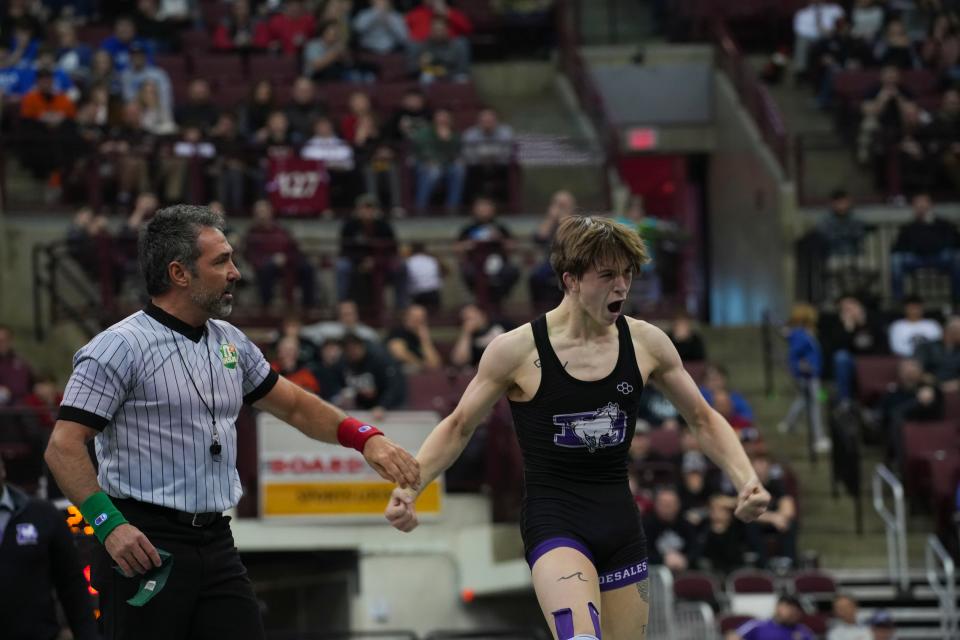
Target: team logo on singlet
x=228, y=356
x=605, y=427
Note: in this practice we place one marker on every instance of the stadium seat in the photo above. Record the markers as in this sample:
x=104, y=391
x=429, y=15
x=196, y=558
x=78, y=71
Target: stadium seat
x=174, y=64
x=816, y=622
x=697, y=586
x=452, y=95
x=389, y=94
x=923, y=441
x=874, y=374
x=195, y=42
x=814, y=584
x=273, y=67
x=428, y=390
x=696, y=369
x=751, y=581
x=732, y=621
x=221, y=66
x=951, y=405
x=665, y=443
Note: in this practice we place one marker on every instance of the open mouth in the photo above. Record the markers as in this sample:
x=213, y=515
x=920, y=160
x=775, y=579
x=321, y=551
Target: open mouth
x=615, y=307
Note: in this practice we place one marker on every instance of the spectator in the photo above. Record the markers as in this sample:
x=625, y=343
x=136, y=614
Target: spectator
x=839, y=51
x=288, y=30
x=328, y=58
x=488, y=150
x=52, y=142
x=671, y=540
x=303, y=109
x=946, y=130
x=716, y=379
x=411, y=115
x=160, y=25
x=694, y=491
x=895, y=48
x=198, y=110
x=368, y=250
x=275, y=139
x=720, y=544
x=156, y=116
x=656, y=411
x=941, y=359
x=44, y=401
x=287, y=364
x=420, y=20
x=380, y=28
x=477, y=331
x=486, y=246
x=124, y=39
x=127, y=148
x=805, y=361
x=916, y=150
x=779, y=522
x=438, y=152
x=882, y=114
x=372, y=380
x=126, y=239
x=544, y=287
x=850, y=333
x=254, y=113
x=914, y=397
x=348, y=321
x=411, y=344
x=867, y=18
x=184, y=166
x=80, y=242
x=845, y=625
x=424, y=277
x=337, y=158
x=882, y=626
x=140, y=72
x=308, y=353
x=229, y=168
x=273, y=252
x=812, y=23
x=927, y=242
x=378, y=162
x=686, y=339
x=16, y=376
x=909, y=332
x=784, y=624
x=38, y=559
x=941, y=49
x=239, y=30
x=329, y=371
x=23, y=45
x=104, y=73
x=843, y=232
x=441, y=56
x=72, y=56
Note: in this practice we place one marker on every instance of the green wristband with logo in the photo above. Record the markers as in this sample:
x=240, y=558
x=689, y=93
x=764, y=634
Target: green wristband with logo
x=99, y=512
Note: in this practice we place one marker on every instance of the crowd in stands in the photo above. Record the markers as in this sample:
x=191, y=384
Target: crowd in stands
x=888, y=70
x=308, y=104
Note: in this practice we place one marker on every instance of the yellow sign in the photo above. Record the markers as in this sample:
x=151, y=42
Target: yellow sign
x=340, y=498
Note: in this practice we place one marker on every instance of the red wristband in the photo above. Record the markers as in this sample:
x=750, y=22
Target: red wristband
x=354, y=434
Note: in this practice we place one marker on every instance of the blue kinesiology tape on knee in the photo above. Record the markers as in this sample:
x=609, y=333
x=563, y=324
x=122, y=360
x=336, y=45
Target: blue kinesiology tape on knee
x=595, y=617
x=563, y=620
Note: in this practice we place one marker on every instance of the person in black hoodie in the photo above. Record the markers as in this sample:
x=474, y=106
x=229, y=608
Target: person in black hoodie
x=38, y=556
x=851, y=332
x=927, y=242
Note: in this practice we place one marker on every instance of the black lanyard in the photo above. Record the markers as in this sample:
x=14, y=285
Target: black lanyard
x=215, y=448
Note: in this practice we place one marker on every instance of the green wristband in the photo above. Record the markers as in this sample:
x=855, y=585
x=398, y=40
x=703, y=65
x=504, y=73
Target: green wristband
x=99, y=512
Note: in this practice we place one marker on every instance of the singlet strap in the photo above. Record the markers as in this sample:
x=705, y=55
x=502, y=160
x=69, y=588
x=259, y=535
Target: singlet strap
x=544, y=350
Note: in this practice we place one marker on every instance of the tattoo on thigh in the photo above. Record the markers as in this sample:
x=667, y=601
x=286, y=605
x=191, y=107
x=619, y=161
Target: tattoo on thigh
x=643, y=588
x=578, y=575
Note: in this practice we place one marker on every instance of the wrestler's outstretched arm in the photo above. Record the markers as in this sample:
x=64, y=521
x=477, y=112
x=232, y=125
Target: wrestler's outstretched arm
x=447, y=440
x=717, y=438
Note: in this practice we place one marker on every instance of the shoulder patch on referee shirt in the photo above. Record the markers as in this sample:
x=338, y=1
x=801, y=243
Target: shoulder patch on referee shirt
x=228, y=356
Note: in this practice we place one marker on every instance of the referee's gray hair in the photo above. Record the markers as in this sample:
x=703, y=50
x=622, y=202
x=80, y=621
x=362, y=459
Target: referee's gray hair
x=171, y=236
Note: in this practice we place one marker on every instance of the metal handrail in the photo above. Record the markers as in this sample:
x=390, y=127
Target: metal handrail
x=936, y=557
x=895, y=524
x=661, y=623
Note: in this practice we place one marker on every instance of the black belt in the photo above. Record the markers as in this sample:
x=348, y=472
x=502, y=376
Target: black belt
x=199, y=520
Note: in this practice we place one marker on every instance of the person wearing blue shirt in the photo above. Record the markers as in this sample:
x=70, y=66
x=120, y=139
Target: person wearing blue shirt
x=715, y=378
x=123, y=39
x=785, y=624
x=806, y=367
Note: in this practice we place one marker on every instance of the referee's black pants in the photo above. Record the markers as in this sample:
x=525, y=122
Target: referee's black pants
x=208, y=595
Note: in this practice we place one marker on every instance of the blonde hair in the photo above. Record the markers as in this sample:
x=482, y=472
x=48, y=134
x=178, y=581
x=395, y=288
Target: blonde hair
x=803, y=315
x=583, y=242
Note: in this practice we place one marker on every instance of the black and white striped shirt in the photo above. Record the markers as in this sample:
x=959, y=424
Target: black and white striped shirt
x=131, y=384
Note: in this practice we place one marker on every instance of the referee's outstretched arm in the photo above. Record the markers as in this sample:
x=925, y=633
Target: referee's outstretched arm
x=322, y=421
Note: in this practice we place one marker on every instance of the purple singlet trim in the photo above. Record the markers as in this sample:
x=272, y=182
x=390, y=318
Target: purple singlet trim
x=595, y=618
x=555, y=543
x=621, y=577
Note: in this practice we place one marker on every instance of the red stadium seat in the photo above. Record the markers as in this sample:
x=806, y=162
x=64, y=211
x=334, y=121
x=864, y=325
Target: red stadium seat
x=452, y=95
x=874, y=375
x=428, y=390
x=816, y=622
x=815, y=584
x=273, y=67
x=665, y=443
x=174, y=64
x=951, y=405
x=388, y=95
x=195, y=42
x=218, y=66
x=731, y=622
x=696, y=586
x=231, y=95
x=391, y=67
x=751, y=581
x=923, y=441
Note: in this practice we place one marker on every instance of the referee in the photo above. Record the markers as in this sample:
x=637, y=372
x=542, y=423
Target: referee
x=159, y=392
